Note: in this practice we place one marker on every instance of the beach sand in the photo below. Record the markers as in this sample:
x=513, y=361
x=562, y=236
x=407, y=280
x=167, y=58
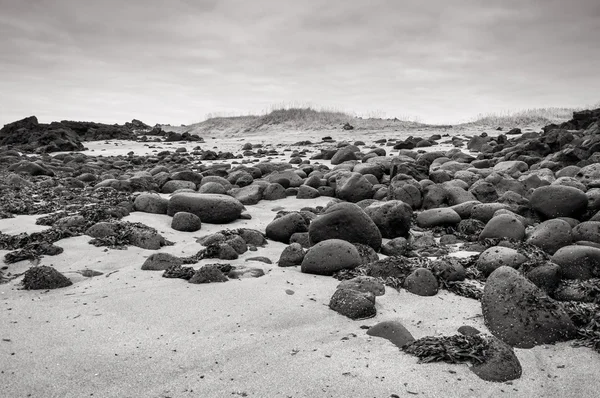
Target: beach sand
x=132, y=333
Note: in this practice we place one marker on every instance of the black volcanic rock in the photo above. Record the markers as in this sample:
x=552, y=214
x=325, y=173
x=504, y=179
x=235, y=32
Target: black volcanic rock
x=29, y=135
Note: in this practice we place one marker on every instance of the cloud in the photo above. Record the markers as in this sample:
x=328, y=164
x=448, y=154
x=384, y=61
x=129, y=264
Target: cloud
x=179, y=60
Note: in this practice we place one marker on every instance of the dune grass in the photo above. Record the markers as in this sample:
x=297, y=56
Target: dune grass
x=528, y=117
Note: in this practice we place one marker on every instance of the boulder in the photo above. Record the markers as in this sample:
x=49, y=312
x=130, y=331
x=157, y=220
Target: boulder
x=551, y=235
x=282, y=228
x=421, y=282
x=393, y=218
x=211, y=208
x=209, y=273
x=578, y=261
x=161, y=262
x=151, y=203
x=353, y=187
x=587, y=231
x=498, y=256
x=292, y=255
x=185, y=222
x=503, y=226
x=175, y=185
x=554, y=201
x=345, y=221
x=329, y=256
x=248, y=195
x=353, y=304
x=44, y=277
x=393, y=331
x=365, y=284
x=443, y=216
x=521, y=314
x=500, y=364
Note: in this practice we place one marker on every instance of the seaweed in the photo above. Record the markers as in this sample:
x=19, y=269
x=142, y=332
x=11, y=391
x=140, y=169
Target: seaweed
x=44, y=277
x=586, y=317
x=450, y=349
x=32, y=251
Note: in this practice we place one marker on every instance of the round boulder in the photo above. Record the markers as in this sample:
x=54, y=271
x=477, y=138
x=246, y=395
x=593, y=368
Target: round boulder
x=503, y=226
x=292, y=255
x=498, y=256
x=211, y=208
x=329, y=256
x=421, y=282
x=551, y=235
x=161, y=262
x=587, y=231
x=353, y=304
x=345, y=221
x=365, y=284
x=353, y=187
x=578, y=262
x=393, y=331
x=444, y=216
x=521, y=314
x=393, y=218
x=185, y=222
x=282, y=228
x=151, y=203
x=554, y=201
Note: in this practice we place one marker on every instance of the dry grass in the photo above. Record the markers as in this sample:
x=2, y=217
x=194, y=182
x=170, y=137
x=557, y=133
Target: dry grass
x=300, y=118
x=529, y=117
x=303, y=117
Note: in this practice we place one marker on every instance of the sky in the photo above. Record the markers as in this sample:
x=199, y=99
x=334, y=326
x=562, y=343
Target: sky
x=177, y=61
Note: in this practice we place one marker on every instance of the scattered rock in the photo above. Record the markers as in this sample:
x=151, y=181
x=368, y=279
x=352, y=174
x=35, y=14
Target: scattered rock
x=44, y=277
x=521, y=314
x=353, y=304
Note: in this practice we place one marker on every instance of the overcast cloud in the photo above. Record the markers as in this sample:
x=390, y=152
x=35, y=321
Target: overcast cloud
x=441, y=61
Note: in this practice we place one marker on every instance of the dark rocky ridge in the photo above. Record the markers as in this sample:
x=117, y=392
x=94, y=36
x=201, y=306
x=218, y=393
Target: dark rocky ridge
x=28, y=135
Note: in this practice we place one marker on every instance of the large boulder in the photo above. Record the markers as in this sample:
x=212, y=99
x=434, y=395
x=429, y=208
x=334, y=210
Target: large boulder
x=498, y=256
x=443, y=216
x=345, y=221
x=329, y=256
x=353, y=187
x=551, y=235
x=521, y=314
x=248, y=195
x=587, y=231
x=500, y=363
x=578, y=261
x=282, y=228
x=503, y=226
x=353, y=304
x=344, y=154
x=554, y=201
x=394, y=331
x=365, y=284
x=186, y=222
x=151, y=203
x=161, y=262
x=174, y=185
x=421, y=282
x=393, y=218
x=44, y=277
x=211, y=208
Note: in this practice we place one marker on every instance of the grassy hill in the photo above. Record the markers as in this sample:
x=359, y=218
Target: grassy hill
x=310, y=119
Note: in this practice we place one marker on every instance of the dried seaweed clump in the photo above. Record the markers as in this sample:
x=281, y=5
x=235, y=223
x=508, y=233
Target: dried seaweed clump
x=586, y=317
x=450, y=349
x=32, y=251
x=178, y=271
x=468, y=288
x=44, y=277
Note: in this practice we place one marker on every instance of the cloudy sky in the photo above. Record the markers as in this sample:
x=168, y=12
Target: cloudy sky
x=175, y=61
